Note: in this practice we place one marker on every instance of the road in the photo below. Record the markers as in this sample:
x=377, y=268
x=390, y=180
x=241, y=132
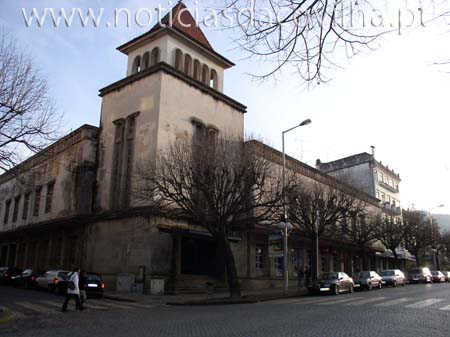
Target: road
x=414, y=310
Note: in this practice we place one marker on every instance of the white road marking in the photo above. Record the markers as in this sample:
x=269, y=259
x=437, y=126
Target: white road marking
x=342, y=300
x=445, y=308
x=36, y=307
x=393, y=302
x=424, y=303
x=110, y=304
x=369, y=300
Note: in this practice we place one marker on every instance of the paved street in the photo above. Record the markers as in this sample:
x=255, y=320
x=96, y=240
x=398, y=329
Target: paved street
x=414, y=310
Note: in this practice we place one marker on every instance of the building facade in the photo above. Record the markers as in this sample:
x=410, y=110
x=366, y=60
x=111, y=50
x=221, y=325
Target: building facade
x=73, y=204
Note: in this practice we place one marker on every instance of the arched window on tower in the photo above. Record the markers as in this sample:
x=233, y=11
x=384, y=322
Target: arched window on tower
x=155, y=56
x=188, y=65
x=197, y=70
x=179, y=60
x=205, y=74
x=136, y=65
x=145, y=60
x=213, y=80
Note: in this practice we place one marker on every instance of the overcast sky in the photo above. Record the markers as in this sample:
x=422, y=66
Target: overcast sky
x=393, y=98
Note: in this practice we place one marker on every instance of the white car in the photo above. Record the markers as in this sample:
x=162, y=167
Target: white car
x=50, y=279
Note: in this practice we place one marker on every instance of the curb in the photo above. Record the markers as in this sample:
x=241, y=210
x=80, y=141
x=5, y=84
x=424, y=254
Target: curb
x=228, y=301
x=5, y=316
x=119, y=298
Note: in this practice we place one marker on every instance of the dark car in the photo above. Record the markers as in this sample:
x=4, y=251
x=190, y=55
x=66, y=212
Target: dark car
x=8, y=274
x=333, y=282
x=26, y=279
x=447, y=275
x=438, y=277
x=368, y=280
x=419, y=275
x=94, y=286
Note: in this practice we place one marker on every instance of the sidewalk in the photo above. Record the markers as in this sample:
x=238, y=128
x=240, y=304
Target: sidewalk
x=248, y=296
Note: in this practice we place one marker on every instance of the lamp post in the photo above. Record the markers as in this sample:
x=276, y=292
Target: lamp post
x=284, y=224
x=432, y=235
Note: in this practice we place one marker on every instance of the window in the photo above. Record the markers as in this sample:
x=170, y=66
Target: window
x=197, y=70
x=7, y=207
x=16, y=208
x=178, y=60
x=213, y=79
x=279, y=265
x=117, y=162
x=294, y=261
x=377, y=193
x=26, y=204
x=145, y=60
x=136, y=65
x=49, y=197
x=383, y=197
x=37, y=201
x=259, y=258
x=205, y=74
x=188, y=64
x=380, y=177
x=154, y=58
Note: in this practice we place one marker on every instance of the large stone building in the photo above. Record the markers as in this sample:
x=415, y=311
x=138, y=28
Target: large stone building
x=72, y=203
x=369, y=175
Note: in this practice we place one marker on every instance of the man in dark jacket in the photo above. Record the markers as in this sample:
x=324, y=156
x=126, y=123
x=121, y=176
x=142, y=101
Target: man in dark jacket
x=82, y=285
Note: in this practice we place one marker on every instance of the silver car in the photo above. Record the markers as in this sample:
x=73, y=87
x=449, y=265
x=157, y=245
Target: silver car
x=393, y=277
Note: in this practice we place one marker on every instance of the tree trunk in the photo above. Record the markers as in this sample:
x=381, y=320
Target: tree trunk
x=315, y=258
x=230, y=265
x=364, y=258
x=396, y=262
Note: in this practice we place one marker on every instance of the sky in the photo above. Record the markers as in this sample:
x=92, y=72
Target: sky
x=393, y=98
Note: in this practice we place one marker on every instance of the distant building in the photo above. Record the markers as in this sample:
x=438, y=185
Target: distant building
x=364, y=172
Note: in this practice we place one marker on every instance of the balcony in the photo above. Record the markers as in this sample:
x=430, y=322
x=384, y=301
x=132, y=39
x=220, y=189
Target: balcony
x=388, y=187
x=390, y=209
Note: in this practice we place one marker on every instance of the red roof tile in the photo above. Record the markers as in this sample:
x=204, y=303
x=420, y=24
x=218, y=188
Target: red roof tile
x=183, y=22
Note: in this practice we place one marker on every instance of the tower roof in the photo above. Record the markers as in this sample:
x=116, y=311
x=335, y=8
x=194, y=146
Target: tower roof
x=183, y=22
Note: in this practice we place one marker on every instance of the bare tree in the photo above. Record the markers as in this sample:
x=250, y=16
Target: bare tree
x=28, y=120
x=390, y=233
x=309, y=35
x=317, y=210
x=362, y=230
x=418, y=233
x=221, y=184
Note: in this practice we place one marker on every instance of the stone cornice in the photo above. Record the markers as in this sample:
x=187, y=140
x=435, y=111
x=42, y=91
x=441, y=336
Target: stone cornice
x=162, y=66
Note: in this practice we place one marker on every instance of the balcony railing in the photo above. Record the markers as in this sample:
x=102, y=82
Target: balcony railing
x=388, y=187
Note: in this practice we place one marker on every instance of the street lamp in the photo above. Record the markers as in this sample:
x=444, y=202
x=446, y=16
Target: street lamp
x=436, y=254
x=284, y=224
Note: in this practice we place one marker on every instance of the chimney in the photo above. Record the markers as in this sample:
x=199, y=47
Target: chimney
x=318, y=163
x=373, y=151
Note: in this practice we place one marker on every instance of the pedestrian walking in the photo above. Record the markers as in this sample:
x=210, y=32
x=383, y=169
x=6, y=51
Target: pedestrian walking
x=73, y=290
x=82, y=284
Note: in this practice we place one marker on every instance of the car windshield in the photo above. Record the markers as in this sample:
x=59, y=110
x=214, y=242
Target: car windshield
x=329, y=276
x=62, y=274
x=364, y=274
x=94, y=278
x=415, y=271
x=434, y=273
x=387, y=273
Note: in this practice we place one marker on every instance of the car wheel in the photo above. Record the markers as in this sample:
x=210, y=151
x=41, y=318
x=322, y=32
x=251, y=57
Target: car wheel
x=336, y=290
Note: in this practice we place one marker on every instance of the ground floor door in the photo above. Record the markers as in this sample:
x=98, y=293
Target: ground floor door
x=198, y=256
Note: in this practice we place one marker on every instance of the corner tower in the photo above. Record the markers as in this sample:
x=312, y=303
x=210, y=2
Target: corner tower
x=173, y=86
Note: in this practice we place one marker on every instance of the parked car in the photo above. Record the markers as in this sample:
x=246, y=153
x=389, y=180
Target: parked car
x=393, y=277
x=438, y=277
x=94, y=286
x=368, y=280
x=50, y=279
x=447, y=275
x=8, y=274
x=26, y=279
x=420, y=275
x=333, y=282
x=2, y=270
